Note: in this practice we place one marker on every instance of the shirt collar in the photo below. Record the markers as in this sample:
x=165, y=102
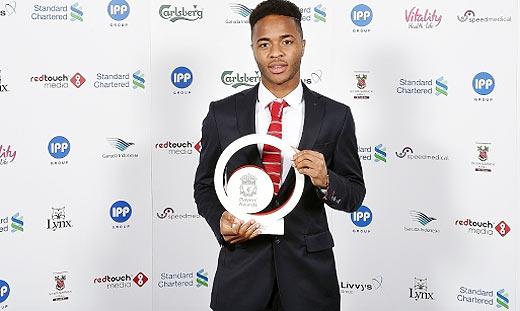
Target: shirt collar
x=294, y=98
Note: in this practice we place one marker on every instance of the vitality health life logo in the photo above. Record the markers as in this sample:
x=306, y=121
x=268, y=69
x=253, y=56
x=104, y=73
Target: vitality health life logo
x=502, y=299
x=138, y=81
x=76, y=13
x=17, y=223
x=441, y=87
x=202, y=278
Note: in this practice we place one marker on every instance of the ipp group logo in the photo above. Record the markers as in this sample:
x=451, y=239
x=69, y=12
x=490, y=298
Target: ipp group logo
x=419, y=19
x=120, y=212
x=5, y=290
x=7, y=8
x=180, y=13
x=361, y=15
x=362, y=218
x=237, y=79
x=7, y=154
x=118, y=10
x=483, y=84
x=181, y=78
x=59, y=148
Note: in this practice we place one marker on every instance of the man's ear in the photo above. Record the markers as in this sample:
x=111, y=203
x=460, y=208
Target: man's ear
x=303, y=47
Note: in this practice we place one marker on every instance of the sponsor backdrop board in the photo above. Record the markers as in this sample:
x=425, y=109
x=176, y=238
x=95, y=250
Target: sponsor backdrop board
x=102, y=104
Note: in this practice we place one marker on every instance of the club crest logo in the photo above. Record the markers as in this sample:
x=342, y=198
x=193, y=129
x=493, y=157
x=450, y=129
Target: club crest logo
x=482, y=153
x=361, y=81
x=248, y=187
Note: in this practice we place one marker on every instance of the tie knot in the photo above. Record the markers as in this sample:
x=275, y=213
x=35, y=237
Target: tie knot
x=276, y=108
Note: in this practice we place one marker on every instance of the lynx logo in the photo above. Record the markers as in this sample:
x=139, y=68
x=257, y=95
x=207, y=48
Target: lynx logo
x=420, y=290
x=182, y=77
x=361, y=15
x=3, y=87
x=120, y=211
x=118, y=9
x=59, y=147
x=362, y=217
x=483, y=83
x=4, y=291
x=57, y=220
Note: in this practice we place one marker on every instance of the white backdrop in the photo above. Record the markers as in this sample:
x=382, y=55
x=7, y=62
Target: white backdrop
x=438, y=230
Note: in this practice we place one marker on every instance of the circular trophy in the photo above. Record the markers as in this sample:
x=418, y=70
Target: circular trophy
x=249, y=189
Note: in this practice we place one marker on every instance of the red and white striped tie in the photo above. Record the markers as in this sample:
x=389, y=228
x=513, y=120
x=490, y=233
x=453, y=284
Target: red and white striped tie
x=271, y=156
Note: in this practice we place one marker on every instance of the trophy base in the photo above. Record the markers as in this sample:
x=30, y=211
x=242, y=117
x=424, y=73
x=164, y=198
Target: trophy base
x=273, y=227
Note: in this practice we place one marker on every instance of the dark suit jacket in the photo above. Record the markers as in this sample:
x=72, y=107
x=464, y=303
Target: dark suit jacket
x=301, y=261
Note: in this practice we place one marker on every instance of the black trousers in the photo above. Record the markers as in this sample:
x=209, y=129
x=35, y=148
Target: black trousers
x=275, y=304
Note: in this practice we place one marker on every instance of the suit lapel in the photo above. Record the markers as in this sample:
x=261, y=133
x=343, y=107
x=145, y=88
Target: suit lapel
x=245, y=107
x=314, y=113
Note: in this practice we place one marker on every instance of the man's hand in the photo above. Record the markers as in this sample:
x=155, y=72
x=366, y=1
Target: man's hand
x=312, y=164
x=235, y=230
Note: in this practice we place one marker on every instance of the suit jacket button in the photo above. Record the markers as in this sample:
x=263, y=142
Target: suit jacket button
x=277, y=240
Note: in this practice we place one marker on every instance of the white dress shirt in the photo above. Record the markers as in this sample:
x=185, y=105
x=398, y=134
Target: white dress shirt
x=292, y=119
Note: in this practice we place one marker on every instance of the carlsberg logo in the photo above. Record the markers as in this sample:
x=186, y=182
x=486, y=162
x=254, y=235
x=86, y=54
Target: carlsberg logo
x=180, y=13
x=236, y=79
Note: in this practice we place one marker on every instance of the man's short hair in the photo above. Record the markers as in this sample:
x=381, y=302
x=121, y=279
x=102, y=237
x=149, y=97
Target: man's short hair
x=276, y=7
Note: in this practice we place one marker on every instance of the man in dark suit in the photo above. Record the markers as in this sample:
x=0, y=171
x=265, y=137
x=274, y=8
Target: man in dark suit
x=295, y=271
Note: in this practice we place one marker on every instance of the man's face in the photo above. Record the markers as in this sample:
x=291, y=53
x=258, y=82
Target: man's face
x=278, y=48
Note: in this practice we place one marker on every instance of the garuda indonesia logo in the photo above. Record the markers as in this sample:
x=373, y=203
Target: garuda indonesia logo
x=421, y=218
x=119, y=144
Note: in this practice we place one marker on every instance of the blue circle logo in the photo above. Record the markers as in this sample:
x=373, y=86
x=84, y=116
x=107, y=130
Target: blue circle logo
x=118, y=9
x=59, y=147
x=120, y=211
x=361, y=15
x=362, y=217
x=483, y=83
x=4, y=291
x=182, y=77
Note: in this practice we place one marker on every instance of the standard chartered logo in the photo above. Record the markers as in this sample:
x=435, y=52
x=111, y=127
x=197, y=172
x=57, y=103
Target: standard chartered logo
x=236, y=79
x=441, y=87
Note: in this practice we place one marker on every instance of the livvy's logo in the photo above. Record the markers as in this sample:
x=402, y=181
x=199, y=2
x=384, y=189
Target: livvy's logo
x=7, y=154
x=174, y=14
x=361, y=287
x=7, y=8
x=422, y=19
x=236, y=79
